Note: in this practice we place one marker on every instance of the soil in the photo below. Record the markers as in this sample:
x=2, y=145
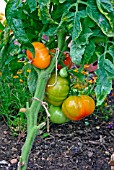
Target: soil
x=84, y=145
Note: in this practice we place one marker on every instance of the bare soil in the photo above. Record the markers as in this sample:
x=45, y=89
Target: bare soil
x=84, y=145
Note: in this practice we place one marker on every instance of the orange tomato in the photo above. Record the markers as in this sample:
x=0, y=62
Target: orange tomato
x=42, y=57
x=78, y=107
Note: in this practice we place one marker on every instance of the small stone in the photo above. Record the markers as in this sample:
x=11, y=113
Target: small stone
x=14, y=149
x=107, y=153
x=3, y=162
x=5, y=132
x=90, y=154
x=13, y=161
x=98, y=127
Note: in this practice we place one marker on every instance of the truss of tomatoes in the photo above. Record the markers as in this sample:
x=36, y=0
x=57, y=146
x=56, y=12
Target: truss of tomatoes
x=64, y=107
x=66, y=62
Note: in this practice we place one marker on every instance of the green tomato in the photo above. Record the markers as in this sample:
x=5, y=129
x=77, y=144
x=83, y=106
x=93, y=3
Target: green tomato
x=58, y=92
x=63, y=72
x=56, y=115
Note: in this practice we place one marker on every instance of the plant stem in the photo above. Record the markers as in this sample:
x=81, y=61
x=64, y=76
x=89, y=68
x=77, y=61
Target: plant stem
x=32, y=115
x=40, y=90
x=27, y=147
x=61, y=38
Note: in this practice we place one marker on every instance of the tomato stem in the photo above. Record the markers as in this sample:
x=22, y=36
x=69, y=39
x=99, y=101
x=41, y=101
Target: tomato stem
x=61, y=38
x=32, y=114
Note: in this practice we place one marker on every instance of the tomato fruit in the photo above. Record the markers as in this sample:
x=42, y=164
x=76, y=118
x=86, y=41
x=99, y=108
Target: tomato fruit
x=58, y=92
x=63, y=72
x=56, y=115
x=66, y=62
x=42, y=57
x=78, y=107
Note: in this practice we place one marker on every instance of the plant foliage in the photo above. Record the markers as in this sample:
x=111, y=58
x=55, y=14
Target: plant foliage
x=88, y=24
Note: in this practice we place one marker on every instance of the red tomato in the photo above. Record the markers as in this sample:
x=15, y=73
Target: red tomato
x=66, y=62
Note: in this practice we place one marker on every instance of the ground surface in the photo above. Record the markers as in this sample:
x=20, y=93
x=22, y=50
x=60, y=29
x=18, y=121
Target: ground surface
x=72, y=146
x=84, y=145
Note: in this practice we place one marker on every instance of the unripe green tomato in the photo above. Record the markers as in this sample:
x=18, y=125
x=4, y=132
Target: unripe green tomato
x=56, y=115
x=58, y=92
x=63, y=72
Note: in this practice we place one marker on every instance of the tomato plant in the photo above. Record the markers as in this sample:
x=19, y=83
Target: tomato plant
x=78, y=23
x=78, y=107
x=56, y=115
x=42, y=57
x=56, y=93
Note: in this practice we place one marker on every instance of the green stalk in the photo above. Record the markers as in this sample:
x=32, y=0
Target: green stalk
x=40, y=90
x=22, y=165
x=61, y=38
x=32, y=115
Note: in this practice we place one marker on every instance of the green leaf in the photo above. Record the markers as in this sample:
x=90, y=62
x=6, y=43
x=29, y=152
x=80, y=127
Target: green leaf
x=45, y=135
x=79, y=38
x=9, y=59
x=44, y=12
x=100, y=19
x=106, y=8
x=32, y=5
x=1, y=26
x=76, y=53
x=32, y=81
x=62, y=1
x=14, y=19
x=84, y=36
x=105, y=74
x=104, y=86
x=79, y=75
x=77, y=27
x=111, y=51
x=51, y=31
x=89, y=51
x=109, y=67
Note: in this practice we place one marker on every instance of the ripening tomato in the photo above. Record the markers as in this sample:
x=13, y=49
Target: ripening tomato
x=56, y=115
x=42, y=57
x=78, y=107
x=56, y=93
x=66, y=62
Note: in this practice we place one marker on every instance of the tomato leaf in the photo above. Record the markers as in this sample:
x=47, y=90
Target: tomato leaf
x=109, y=67
x=77, y=27
x=32, y=81
x=44, y=12
x=105, y=74
x=99, y=18
x=14, y=18
x=76, y=53
x=106, y=8
x=1, y=26
x=104, y=86
x=32, y=4
x=89, y=51
x=111, y=51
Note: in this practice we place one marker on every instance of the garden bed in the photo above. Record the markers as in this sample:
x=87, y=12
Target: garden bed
x=83, y=145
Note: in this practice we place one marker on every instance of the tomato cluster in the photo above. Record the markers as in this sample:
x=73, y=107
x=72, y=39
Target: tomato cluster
x=64, y=107
x=65, y=62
